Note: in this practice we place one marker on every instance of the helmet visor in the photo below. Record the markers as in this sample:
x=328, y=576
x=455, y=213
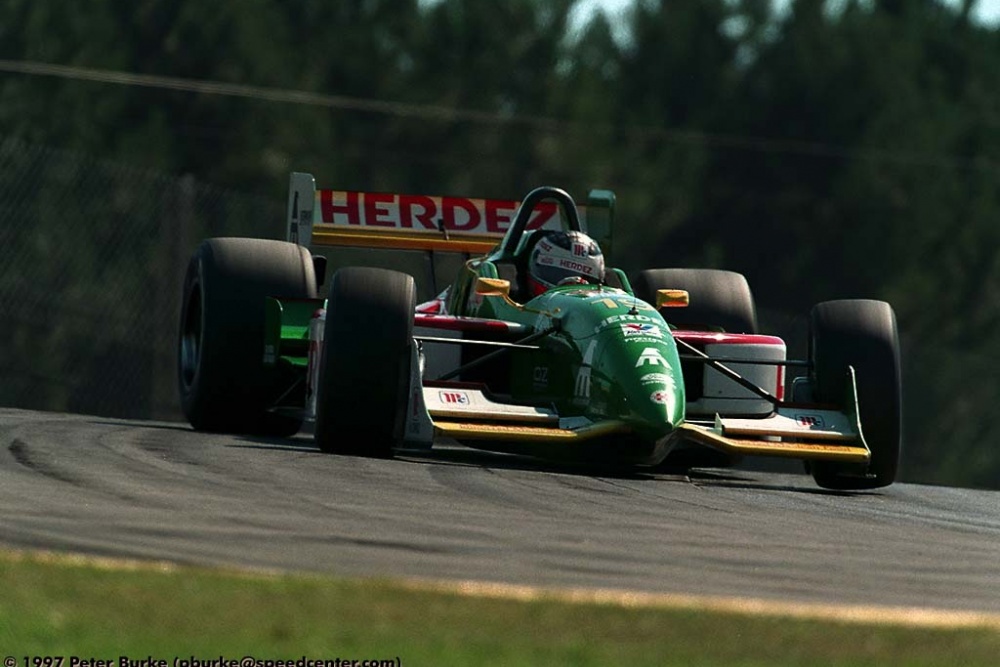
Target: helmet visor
x=551, y=274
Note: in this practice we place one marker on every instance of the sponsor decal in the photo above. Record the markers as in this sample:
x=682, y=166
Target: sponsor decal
x=454, y=397
x=661, y=397
x=581, y=389
x=810, y=421
x=575, y=266
x=639, y=329
x=652, y=357
x=422, y=213
x=615, y=319
x=655, y=378
x=579, y=250
x=626, y=302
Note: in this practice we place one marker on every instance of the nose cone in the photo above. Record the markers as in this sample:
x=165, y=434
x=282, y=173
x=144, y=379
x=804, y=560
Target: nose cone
x=655, y=396
x=646, y=379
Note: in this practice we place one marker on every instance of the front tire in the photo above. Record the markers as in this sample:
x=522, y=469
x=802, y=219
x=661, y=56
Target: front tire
x=223, y=382
x=863, y=334
x=365, y=369
x=720, y=300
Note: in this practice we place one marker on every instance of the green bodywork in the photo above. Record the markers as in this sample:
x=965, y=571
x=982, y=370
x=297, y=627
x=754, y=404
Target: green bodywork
x=610, y=356
x=286, y=330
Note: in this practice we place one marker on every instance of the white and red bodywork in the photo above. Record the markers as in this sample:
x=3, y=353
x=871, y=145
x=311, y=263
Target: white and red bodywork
x=718, y=394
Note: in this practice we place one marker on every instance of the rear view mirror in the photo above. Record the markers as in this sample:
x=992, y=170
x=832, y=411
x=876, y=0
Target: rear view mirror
x=672, y=298
x=492, y=287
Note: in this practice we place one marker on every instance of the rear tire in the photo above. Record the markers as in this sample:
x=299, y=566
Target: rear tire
x=365, y=370
x=224, y=384
x=862, y=334
x=720, y=300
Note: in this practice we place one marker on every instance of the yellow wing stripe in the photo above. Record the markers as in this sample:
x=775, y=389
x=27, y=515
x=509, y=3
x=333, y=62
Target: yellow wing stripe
x=329, y=235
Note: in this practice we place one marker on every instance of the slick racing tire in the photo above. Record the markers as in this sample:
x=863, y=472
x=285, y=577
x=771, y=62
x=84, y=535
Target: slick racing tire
x=365, y=369
x=719, y=300
x=862, y=334
x=224, y=384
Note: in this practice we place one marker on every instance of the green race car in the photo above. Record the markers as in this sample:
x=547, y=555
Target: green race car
x=591, y=368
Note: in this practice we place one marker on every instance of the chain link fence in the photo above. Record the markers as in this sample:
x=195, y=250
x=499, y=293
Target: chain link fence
x=94, y=254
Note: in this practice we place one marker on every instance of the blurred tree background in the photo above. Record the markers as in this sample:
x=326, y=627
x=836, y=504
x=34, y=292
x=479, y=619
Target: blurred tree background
x=830, y=149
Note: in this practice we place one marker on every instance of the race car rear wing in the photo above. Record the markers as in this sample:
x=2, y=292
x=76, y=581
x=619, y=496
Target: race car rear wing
x=419, y=222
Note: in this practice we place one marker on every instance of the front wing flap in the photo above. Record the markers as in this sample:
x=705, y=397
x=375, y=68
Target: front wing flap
x=802, y=431
x=467, y=411
x=458, y=410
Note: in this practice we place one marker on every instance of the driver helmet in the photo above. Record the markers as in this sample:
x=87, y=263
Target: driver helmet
x=561, y=258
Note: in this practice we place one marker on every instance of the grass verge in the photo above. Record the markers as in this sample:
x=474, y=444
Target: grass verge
x=59, y=606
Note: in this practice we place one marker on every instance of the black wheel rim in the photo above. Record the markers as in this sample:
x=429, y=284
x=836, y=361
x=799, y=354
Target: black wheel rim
x=190, y=339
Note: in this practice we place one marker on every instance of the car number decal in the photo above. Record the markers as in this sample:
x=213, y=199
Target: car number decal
x=652, y=357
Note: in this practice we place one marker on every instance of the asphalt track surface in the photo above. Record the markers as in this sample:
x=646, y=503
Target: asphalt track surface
x=159, y=491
